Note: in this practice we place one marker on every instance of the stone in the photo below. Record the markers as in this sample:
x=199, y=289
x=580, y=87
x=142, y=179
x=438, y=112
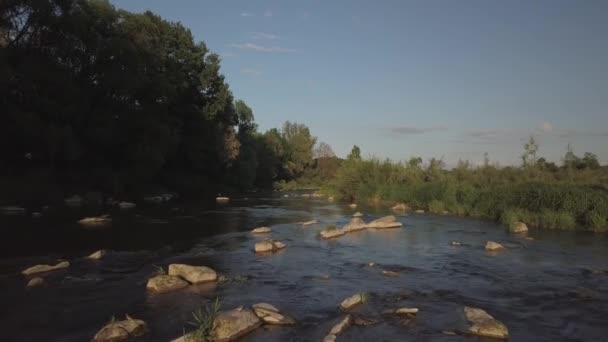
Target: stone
x=97, y=255
x=264, y=246
x=406, y=311
x=400, y=207
x=126, y=205
x=193, y=274
x=278, y=245
x=339, y=328
x=419, y=211
x=45, y=268
x=385, y=222
x=352, y=301
x=518, y=227
x=353, y=206
x=445, y=212
x=165, y=283
x=232, y=324
x=121, y=330
x=355, y=224
x=362, y=321
x=222, y=200
x=493, y=246
x=357, y=214
x=74, y=201
x=261, y=230
x=455, y=243
x=271, y=315
x=483, y=324
x=95, y=221
x=12, y=210
x=36, y=214
x=390, y=273
x=36, y=282
x=308, y=223
x=330, y=198
x=332, y=233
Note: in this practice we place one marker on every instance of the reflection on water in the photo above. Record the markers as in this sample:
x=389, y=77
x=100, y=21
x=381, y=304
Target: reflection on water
x=553, y=288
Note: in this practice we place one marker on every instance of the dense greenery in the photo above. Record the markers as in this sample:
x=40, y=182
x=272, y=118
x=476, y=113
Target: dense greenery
x=104, y=100
x=541, y=194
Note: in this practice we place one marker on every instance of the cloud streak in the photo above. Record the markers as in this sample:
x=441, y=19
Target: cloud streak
x=262, y=48
x=412, y=130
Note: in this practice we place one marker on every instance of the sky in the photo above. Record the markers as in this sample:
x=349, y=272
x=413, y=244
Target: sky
x=445, y=79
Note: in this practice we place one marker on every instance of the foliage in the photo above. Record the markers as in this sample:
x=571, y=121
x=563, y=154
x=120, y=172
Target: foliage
x=203, y=319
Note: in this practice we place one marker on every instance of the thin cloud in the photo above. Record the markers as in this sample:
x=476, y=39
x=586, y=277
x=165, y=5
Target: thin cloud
x=412, y=130
x=251, y=72
x=268, y=13
x=264, y=36
x=247, y=14
x=262, y=48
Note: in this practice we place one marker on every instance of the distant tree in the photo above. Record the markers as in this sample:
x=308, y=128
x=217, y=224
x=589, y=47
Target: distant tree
x=590, y=161
x=323, y=150
x=530, y=149
x=414, y=162
x=355, y=153
x=298, y=145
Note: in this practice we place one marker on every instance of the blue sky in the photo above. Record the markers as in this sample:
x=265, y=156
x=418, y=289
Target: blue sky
x=446, y=79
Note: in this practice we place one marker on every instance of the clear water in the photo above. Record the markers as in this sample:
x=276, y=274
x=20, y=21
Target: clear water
x=552, y=288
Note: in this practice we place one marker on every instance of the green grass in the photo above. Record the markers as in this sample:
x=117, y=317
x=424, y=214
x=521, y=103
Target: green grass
x=436, y=207
x=203, y=319
x=331, y=227
x=364, y=297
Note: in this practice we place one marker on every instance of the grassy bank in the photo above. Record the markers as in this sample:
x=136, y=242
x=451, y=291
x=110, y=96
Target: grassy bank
x=562, y=199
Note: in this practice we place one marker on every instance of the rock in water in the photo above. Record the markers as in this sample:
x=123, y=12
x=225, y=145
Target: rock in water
x=518, y=227
x=222, y=200
x=36, y=282
x=353, y=206
x=419, y=211
x=12, y=210
x=165, y=283
x=45, y=268
x=261, y=230
x=193, y=274
x=121, y=330
x=126, y=205
x=271, y=315
x=308, y=223
x=278, y=245
x=400, y=207
x=352, y=301
x=74, y=201
x=95, y=221
x=354, y=225
x=385, y=222
x=268, y=246
x=406, y=311
x=232, y=324
x=357, y=214
x=332, y=233
x=494, y=246
x=97, y=255
x=483, y=324
x=339, y=328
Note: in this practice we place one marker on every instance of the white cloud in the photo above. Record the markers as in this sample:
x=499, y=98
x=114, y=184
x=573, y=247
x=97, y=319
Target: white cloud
x=251, y=72
x=268, y=13
x=546, y=127
x=262, y=35
x=261, y=48
x=247, y=14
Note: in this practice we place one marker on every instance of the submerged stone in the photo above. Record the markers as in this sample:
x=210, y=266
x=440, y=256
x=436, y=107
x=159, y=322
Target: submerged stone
x=166, y=283
x=385, y=222
x=45, y=268
x=482, y=324
x=121, y=330
x=493, y=246
x=232, y=324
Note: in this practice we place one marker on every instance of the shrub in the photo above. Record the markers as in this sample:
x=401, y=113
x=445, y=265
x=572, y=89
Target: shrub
x=203, y=321
x=595, y=221
x=560, y=220
x=436, y=207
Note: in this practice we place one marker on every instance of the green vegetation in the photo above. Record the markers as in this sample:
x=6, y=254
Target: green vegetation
x=364, y=297
x=203, y=319
x=539, y=193
x=330, y=227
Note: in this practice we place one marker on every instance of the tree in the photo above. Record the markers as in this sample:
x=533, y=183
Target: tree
x=355, y=154
x=323, y=150
x=298, y=148
x=530, y=149
x=590, y=161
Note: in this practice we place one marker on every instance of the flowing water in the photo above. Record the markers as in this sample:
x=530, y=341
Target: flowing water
x=551, y=288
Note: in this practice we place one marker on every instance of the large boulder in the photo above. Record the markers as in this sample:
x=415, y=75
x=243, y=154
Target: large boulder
x=352, y=301
x=331, y=233
x=261, y=230
x=193, y=274
x=232, y=324
x=355, y=224
x=271, y=315
x=385, y=222
x=518, y=227
x=482, y=324
x=45, y=268
x=494, y=246
x=165, y=283
x=121, y=330
x=339, y=328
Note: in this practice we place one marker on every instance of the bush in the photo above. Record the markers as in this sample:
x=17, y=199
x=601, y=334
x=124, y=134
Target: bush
x=560, y=220
x=596, y=221
x=436, y=207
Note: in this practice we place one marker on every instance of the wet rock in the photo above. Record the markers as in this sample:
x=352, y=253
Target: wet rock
x=126, y=205
x=449, y=332
x=385, y=222
x=455, y=243
x=493, y=246
x=371, y=264
x=222, y=200
x=95, y=221
x=97, y=255
x=353, y=206
x=331, y=233
x=362, y=321
x=518, y=227
x=121, y=330
x=193, y=274
x=271, y=315
x=12, y=210
x=278, y=245
x=330, y=198
x=338, y=329
x=36, y=282
x=232, y=324
x=308, y=223
x=389, y=273
x=36, y=214
x=419, y=211
x=165, y=283
x=445, y=212
x=268, y=246
x=357, y=214
x=74, y=201
x=355, y=224
x=483, y=324
x=45, y=268
x=352, y=301
x=406, y=311
x=261, y=230
x=400, y=207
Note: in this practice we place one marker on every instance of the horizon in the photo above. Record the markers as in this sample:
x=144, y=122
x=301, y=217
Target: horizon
x=447, y=80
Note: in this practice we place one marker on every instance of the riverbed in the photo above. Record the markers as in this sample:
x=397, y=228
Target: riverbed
x=550, y=286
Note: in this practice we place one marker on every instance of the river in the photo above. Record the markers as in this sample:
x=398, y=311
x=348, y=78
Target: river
x=551, y=288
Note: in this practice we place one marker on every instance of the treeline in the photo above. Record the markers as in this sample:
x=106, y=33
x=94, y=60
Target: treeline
x=95, y=98
x=542, y=194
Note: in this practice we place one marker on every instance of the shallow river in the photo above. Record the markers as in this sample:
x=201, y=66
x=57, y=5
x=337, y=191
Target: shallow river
x=552, y=288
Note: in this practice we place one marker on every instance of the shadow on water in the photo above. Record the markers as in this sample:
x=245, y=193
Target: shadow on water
x=552, y=288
